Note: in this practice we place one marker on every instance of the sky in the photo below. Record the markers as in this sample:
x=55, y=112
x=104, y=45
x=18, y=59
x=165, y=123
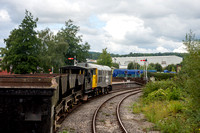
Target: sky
x=121, y=26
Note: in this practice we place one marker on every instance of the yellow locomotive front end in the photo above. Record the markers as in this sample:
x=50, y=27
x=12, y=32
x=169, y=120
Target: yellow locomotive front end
x=94, y=78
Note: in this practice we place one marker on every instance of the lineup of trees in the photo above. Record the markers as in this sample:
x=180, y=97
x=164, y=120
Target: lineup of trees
x=28, y=51
x=95, y=55
x=152, y=66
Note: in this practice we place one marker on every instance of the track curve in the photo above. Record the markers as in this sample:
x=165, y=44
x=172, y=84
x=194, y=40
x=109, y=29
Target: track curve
x=135, y=91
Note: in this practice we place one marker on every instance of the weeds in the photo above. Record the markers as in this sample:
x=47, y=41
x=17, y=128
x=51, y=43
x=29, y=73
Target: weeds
x=102, y=121
x=163, y=104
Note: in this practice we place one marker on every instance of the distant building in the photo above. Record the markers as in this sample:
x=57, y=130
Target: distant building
x=163, y=60
x=91, y=61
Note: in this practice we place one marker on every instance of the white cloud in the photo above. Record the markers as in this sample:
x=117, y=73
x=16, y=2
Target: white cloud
x=121, y=26
x=118, y=25
x=4, y=16
x=181, y=49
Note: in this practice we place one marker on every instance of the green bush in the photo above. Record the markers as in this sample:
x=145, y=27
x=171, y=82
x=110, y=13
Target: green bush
x=153, y=86
x=160, y=76
x=174, y=93
x=157, y=95
x=168, y=116
x=175, y=107
x=169, y=94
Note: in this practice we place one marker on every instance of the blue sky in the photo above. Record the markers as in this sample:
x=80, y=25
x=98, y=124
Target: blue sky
x=121, y=26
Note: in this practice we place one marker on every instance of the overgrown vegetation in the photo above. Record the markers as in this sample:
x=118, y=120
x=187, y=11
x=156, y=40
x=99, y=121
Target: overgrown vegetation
x=173, y=104
x=160, y=76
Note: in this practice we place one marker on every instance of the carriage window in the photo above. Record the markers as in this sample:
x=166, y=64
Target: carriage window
x=100, y=79
x=100, y=72
x=94, y=72
x=109, y=72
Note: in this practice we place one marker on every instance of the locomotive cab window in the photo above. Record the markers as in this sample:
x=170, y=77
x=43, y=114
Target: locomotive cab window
x=94, y=72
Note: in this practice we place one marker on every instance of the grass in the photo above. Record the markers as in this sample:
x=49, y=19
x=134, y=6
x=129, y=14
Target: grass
x=168, y=116
x=64, y=131
x=106, y=114
x=165, y=105
x=102, y=121
x=70, y=130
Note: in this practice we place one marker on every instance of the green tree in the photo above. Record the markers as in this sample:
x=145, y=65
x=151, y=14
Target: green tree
x=189, y=74
x=133, y=65
x=116, y=65
x=170, y=67
x=158, y=67
x=151, y=66
x=105, y=58
x=75, y=48
x=53, y=50
x=22, y=47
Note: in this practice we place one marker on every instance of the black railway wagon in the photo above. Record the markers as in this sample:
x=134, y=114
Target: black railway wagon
x=27, y=103
x=33, y=103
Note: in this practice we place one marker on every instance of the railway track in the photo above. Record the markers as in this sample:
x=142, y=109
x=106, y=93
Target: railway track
x=117, y=115
x=124, y=90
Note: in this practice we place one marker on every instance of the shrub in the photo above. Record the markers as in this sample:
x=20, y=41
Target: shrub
x=150, y=87
x=158, y=95
x=160, y=76
x=168, y=116
x=175, y=107
x=174, y=93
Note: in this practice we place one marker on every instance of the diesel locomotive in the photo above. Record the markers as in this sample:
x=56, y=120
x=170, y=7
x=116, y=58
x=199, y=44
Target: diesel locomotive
x=34, y=103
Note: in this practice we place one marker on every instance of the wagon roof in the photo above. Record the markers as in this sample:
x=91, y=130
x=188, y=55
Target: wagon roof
x=29, y=81
x=73, y=67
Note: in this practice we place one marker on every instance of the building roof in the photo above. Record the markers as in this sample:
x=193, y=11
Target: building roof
x=163, y=60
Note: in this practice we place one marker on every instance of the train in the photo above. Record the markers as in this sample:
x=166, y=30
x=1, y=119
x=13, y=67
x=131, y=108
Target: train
x=34, y=103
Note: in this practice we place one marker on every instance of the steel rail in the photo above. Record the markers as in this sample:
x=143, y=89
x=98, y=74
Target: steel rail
x=118, y=111
x=97, y=110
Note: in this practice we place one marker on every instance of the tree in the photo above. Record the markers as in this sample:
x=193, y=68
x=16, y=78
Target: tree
x=21, y=54
x=151, y=66
x=52, y=51
x=116, y=65
x=158, y=67
x=189, y=73
x=56, y=49
x=75, y=48
x=105, y=58
x=133, y=65
x=171, y=67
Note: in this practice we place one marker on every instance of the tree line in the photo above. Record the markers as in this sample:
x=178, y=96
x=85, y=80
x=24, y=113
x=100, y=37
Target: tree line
x=30, y=51
x=152, y=66
x=95, y=55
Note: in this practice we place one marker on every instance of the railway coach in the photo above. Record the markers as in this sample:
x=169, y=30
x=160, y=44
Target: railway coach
x=101, y=78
